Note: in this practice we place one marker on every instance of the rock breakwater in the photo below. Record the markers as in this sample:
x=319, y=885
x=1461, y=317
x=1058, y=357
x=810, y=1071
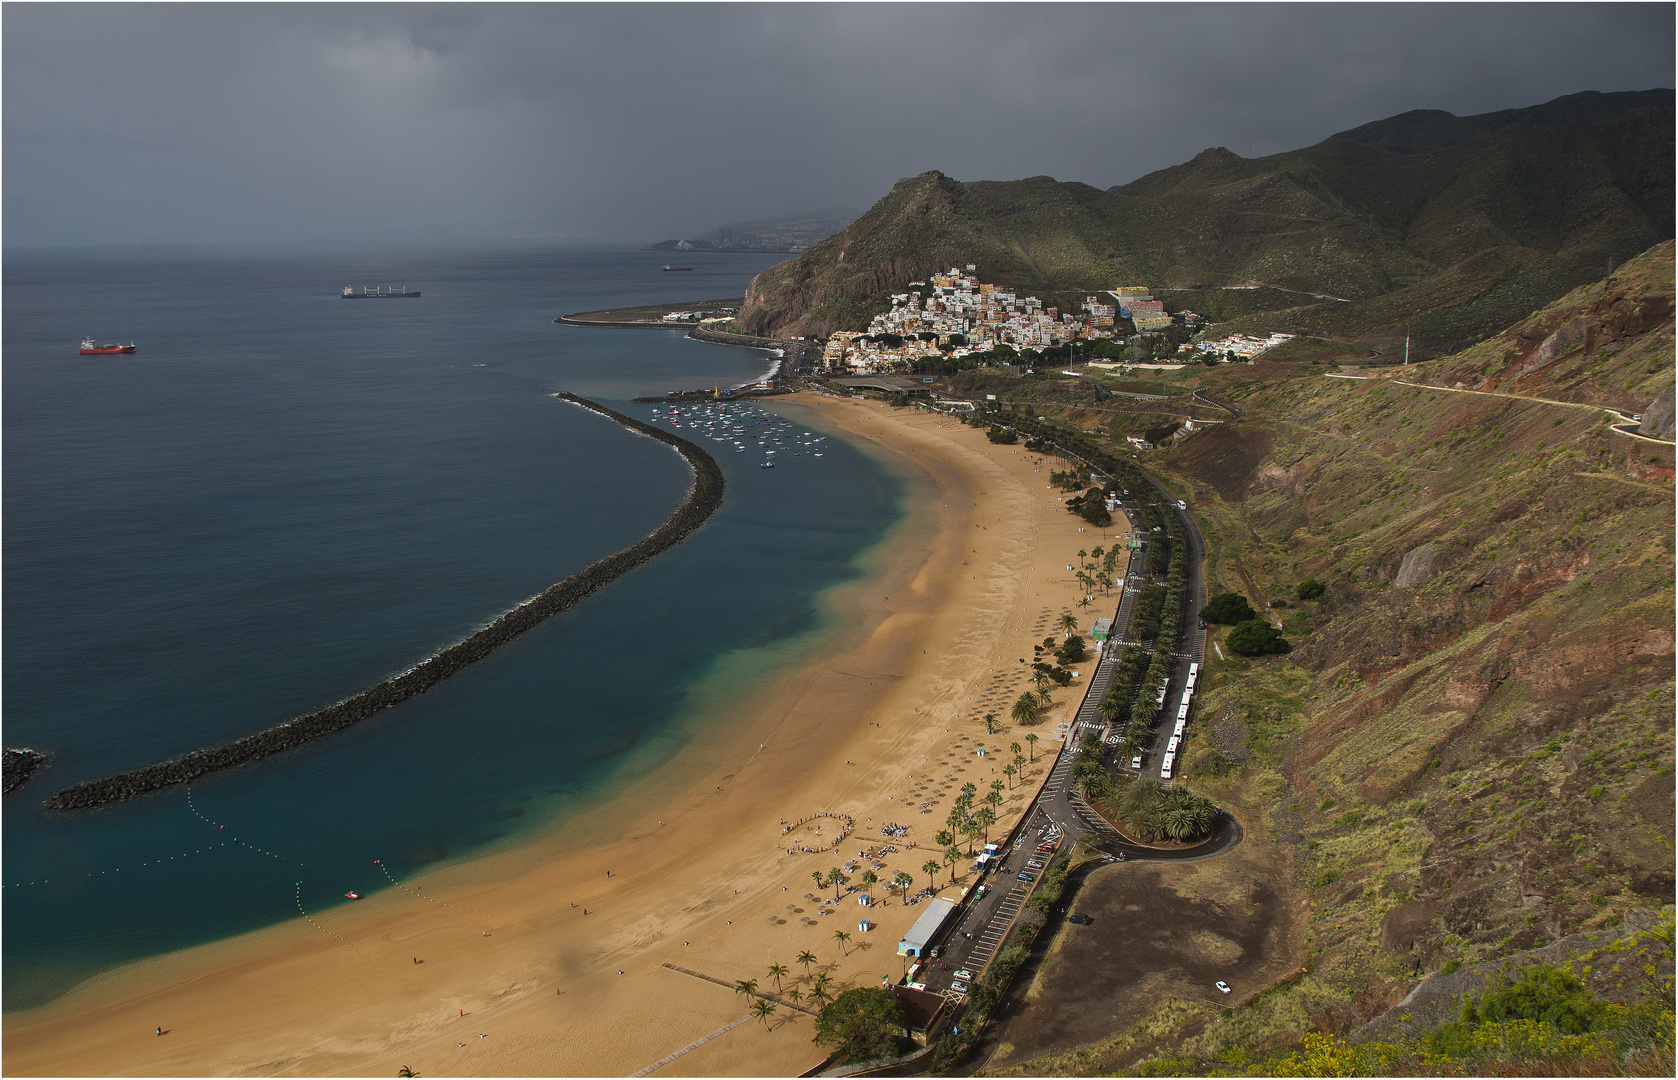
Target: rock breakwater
x=703, y=499
x=20, y=764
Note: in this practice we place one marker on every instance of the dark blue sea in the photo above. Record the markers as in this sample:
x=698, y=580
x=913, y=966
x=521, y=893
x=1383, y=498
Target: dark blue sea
x=283, y=498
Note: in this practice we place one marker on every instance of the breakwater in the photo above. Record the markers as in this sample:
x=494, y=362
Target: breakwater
x=20, y=764
x=703, y=499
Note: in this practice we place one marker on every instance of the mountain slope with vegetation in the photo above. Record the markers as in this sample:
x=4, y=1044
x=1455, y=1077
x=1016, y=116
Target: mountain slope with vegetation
x=1452, y=227
x=1469, y=752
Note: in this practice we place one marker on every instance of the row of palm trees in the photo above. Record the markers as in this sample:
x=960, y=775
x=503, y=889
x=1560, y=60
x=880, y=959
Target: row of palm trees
x=820, y=992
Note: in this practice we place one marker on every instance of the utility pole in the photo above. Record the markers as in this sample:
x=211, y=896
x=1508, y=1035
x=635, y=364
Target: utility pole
x=1406, y=347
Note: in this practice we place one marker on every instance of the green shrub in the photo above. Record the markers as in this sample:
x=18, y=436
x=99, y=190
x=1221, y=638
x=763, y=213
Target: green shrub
x=1310, y=589
x=1256, y=637
x=1228, y=609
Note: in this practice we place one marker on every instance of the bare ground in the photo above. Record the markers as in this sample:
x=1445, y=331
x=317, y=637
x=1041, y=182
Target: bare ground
x=1160, y=930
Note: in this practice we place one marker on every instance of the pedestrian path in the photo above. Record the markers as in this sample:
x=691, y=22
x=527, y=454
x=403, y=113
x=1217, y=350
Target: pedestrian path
x=696, y=1044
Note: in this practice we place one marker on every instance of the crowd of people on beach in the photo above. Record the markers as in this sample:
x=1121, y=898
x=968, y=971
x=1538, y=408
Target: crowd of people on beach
x=892, y=828
x=846, y=825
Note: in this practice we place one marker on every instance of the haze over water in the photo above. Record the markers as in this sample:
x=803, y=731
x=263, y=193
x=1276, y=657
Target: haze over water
x=284, y=497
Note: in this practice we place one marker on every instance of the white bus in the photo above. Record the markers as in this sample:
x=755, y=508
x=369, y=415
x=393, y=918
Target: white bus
x=1165, y=767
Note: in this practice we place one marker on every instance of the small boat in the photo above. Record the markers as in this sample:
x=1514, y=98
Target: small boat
x=670, y=269
x=90, y=349
x=353, y=896
x=767, y=465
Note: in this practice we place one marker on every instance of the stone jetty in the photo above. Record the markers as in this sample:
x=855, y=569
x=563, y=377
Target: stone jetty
x=705, y=496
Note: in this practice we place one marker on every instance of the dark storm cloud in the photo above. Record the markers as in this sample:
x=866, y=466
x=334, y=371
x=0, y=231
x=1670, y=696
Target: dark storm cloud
x=368, y=123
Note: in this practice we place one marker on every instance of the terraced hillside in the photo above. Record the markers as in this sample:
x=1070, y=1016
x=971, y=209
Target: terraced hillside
x=1452, y=227
x=1469, y=752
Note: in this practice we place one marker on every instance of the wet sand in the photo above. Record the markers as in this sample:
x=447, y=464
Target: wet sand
x=700, y=875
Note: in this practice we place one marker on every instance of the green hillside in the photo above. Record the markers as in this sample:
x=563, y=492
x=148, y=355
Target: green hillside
x=1467, y=759
x=1452, y=227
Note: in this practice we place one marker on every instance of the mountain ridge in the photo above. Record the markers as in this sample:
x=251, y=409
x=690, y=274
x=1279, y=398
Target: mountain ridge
x=1457, y=241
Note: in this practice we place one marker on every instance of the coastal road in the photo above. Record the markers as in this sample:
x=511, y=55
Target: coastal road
x=977, y=928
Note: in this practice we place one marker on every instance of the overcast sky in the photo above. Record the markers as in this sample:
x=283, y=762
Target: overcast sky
x=338, y=124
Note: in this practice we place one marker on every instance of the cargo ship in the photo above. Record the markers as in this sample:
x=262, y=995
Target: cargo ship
x=376, y=292
x=672, y=269
x=90, y=349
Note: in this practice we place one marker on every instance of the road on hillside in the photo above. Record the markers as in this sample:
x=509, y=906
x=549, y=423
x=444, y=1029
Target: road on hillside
x=978, y=927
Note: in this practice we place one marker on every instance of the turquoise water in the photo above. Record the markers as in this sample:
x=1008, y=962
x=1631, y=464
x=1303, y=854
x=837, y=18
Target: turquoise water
x=283, y=498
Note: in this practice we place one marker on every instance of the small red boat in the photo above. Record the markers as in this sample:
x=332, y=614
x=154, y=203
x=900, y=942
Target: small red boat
x=90, y=349
x=353, y=896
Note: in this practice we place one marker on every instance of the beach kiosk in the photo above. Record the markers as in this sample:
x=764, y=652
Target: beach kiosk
x=920, y=935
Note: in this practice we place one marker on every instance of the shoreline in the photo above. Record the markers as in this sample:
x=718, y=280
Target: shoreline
x=853, y=714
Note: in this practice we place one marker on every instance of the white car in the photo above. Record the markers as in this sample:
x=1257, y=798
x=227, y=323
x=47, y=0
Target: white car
x=1136, y=762
x=964, y=975
x=959, y=987
x=1222, y=986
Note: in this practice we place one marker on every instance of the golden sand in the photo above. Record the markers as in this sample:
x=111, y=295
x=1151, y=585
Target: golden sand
x=700, y=876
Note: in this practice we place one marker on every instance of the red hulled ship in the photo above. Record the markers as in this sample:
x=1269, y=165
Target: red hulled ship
x=90, y=349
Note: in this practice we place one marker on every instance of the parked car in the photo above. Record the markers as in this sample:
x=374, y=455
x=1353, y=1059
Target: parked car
x=1024, y=876
x=964, y=975
x=1080, y=919
x=959, y=987
x=1221, y=985
x=1033, y=864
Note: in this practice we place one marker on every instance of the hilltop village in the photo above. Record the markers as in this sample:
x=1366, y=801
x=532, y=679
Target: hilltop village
x=954, y=314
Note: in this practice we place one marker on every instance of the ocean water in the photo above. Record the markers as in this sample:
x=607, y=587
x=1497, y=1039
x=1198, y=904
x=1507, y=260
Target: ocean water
x=284, y=497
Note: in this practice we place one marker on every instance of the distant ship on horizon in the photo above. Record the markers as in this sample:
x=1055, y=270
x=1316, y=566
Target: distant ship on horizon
x=668, y=268
x=376, y=292
x=90, y=349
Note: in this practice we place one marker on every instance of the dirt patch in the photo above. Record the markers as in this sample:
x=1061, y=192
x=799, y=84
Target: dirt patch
x=1227, y=455
x=1159, y=930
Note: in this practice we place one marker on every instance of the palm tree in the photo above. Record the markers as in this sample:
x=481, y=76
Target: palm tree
x=987, y=818
x=1068, y=622
x=932, y=866
x=869, y=877
x=971, y=830
x=1014, y=748
x=761, y=1009
x=841, y=937
x=952, y=855
x=745, y=986
x=1044, y=684
x=904, y=882
x=1009, y=772
x=819, y=995
x=775, y=972
x=821, y=878
x=1025, y=709
x=1019, y=761
x=836, y=877
x=793, y=994
x=990, y=723
x=944, y=838
x=820, y=981
x=969, y=789
x=806, y=958
x=1031, y=742
x=406, y=1071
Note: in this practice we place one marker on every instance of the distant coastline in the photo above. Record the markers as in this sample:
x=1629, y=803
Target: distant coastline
x=703, y=499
